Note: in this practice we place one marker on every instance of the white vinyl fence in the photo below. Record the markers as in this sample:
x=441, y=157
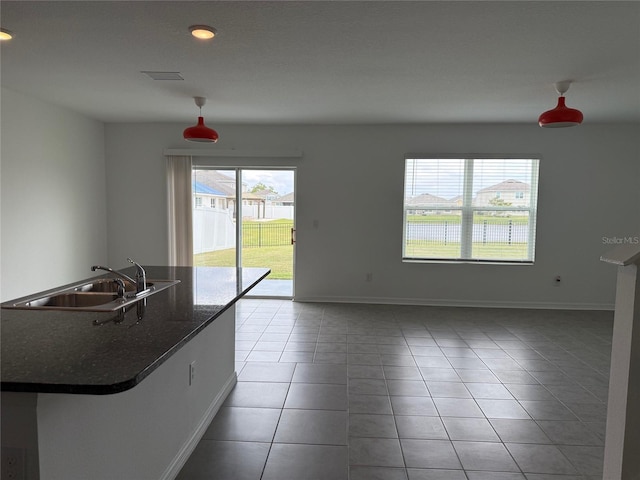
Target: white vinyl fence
x=212, y=230
x=271, y=212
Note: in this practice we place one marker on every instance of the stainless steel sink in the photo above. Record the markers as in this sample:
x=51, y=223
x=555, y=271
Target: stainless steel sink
x=108, y=285
x=95, y=295
x=72, y=300
x=105, y=285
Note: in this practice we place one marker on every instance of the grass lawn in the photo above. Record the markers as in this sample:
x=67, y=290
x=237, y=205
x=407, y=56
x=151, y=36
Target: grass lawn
x=278, y=259
x=492, y=251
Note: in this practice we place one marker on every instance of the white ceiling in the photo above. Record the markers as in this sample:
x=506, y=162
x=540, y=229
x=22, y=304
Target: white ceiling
x=327, y=61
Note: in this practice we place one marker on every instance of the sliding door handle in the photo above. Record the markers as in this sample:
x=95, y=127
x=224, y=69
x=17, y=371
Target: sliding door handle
x=293, y=235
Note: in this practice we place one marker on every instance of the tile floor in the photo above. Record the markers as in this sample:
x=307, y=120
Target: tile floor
x=379, y=392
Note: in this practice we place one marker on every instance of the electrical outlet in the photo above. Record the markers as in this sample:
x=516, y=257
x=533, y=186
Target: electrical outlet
x=557, y=280
x=12, y=463
x=192, y=372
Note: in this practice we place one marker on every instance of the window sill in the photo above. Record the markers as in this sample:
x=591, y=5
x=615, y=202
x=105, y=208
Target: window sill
x=461, y=261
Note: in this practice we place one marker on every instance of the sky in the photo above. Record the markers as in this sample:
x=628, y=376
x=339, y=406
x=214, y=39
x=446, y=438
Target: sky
x=280, y=180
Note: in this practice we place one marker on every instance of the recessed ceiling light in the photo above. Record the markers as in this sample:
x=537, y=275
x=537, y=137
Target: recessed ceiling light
x=203, y=32
x=5, y=34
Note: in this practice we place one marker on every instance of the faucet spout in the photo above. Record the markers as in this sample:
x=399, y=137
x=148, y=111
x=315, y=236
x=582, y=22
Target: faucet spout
x=118, y=274
x=141, y=276
x=120, y=287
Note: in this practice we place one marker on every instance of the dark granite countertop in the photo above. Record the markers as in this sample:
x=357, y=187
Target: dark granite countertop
x=99, y=353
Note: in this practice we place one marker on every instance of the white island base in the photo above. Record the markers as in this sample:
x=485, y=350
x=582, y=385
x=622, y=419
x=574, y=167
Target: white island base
x=147, y=432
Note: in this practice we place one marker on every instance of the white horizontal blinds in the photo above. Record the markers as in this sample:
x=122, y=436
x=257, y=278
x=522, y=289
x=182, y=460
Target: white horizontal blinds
x=502, y=213
x=470, y=209
x=433, y=204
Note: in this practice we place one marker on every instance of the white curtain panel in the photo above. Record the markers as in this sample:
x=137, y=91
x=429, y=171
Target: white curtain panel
x=179, y=196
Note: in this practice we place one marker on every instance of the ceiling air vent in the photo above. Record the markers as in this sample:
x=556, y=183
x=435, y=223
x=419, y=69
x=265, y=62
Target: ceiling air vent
x=164, y=75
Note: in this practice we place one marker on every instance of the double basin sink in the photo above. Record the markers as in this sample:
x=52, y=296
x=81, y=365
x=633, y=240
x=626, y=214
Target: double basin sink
x=95, y=295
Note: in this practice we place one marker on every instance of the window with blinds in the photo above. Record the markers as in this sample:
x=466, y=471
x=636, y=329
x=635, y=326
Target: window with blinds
x=470, y=209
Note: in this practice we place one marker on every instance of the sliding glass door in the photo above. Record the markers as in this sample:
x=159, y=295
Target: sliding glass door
x=246, y=217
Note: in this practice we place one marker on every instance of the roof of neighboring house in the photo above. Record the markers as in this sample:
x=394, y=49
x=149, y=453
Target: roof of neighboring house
x=214, y=179
x=426, y=199
x=251, y=196
x=286, y=198
x=206, y=190
x=265, y=193
x=507, y=185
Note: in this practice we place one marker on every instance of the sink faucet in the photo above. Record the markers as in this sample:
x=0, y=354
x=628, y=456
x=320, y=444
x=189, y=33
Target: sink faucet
x=121, y=289
x=141, y=277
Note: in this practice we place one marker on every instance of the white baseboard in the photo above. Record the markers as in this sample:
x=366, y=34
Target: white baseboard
x=187, y=449
x=458, y=303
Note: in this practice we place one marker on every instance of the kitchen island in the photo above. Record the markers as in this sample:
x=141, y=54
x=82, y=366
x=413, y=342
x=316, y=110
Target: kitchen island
x=106, y=395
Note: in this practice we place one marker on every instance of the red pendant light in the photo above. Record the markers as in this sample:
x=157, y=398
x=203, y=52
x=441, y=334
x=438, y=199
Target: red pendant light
x=561, y=116
x=200, y=132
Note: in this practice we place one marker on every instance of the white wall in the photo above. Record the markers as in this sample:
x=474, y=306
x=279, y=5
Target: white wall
x=350, y=182
x=136, y=196
x=53, y=193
